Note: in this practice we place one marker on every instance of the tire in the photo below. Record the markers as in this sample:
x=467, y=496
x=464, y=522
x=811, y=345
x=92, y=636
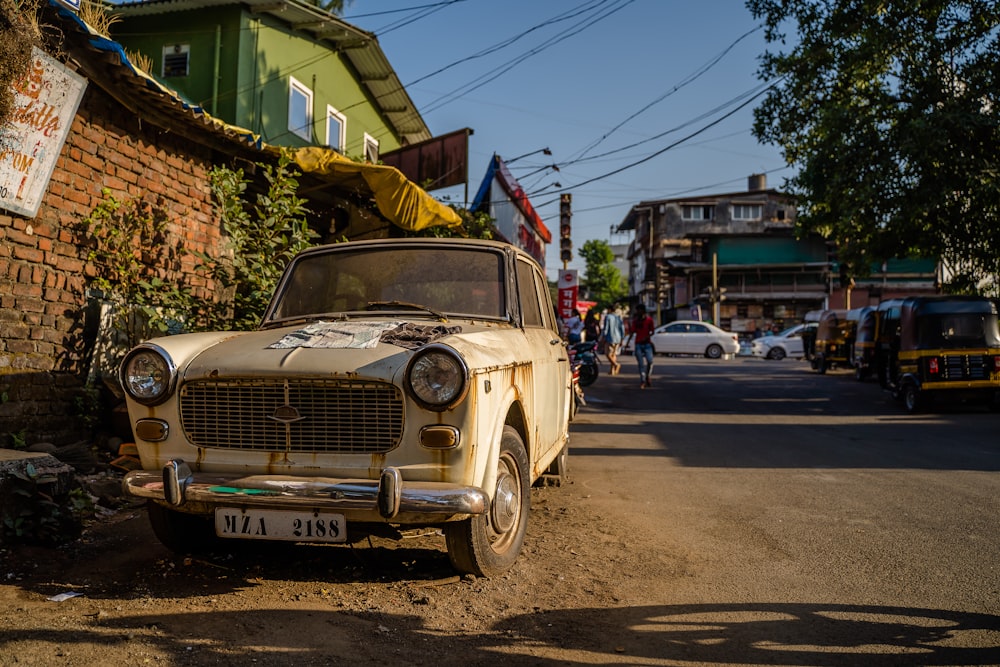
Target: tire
x=776, y=353
x=820, y=364
x=588, y=374
x=488, y=544
x=180, y=532
x=714, y=351
x=913, y=400
x=557, y=473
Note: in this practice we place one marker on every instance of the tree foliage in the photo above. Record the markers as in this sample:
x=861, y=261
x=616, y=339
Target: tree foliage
x=890, y=111
x=605, y=283
x=262, y=239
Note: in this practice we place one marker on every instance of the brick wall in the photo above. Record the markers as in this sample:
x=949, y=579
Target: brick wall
x=47, y=326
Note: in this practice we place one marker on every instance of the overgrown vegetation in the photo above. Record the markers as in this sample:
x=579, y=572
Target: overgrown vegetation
x=262, y=239
x=138, y=263
x=36, y=507
x=19, y=31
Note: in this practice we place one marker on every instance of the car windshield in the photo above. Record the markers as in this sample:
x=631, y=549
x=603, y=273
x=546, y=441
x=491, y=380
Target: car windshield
x=455, y=281
x=958, y=330
x=790, y=330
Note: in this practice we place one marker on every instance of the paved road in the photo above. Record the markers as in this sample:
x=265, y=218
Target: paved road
x=802, y=519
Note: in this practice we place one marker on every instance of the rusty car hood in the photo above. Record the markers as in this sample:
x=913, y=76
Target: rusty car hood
x=370, y=349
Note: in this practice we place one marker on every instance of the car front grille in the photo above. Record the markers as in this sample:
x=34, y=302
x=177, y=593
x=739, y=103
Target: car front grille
x=334, y=416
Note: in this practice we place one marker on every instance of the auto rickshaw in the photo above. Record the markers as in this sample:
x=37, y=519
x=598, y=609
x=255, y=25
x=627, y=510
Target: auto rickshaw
x=933, y=348
x=863, y=350
x=834, y=339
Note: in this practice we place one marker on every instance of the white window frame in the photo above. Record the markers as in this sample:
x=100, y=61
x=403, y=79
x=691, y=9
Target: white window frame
x=740, y=210
x=295, y=126
x=338, y=142
x=371, y=148
x=700, y=209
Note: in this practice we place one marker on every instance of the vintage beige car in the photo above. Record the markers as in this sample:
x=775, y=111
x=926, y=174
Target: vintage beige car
x=392, y=384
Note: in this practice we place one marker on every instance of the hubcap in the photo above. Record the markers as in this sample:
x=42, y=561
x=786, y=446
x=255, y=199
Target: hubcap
x=506, y=503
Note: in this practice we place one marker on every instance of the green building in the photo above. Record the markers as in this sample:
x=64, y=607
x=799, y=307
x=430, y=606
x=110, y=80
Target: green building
x=286, y=70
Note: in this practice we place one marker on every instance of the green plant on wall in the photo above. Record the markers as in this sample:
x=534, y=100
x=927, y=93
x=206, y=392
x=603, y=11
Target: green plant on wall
x=129, y=253
x=262, y=238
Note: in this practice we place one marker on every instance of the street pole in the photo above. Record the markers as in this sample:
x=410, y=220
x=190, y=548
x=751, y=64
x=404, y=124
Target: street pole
x=715, y=289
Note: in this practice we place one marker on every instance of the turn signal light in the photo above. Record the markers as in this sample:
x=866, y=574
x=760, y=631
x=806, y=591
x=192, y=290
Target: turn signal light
x=933, y=367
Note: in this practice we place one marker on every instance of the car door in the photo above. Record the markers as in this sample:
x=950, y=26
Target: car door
x=793, y=344
x=699, y=337
x=671, y=339
x=549, y=357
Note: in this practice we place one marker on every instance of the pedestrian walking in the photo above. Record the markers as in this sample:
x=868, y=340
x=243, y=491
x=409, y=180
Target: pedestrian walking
x=574, y=327
x=642, y=330
x=613, y=333
x=592, y=325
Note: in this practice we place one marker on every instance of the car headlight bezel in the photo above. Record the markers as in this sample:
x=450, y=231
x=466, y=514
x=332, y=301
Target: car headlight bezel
x=437, y=377
x=152, y=384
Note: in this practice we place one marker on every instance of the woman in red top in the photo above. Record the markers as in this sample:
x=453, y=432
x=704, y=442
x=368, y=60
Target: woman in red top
x=642, y=329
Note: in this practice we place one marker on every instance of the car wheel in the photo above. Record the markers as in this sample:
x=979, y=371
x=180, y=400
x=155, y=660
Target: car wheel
x=180, y=532
x=776, y=353
x=714, y=351
x=488, y=544
x=913, y=400
x=558, y=471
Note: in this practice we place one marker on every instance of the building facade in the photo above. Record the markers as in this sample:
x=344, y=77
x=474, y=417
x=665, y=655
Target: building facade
x=734, y=259
x=287, y=71
x=730, y=258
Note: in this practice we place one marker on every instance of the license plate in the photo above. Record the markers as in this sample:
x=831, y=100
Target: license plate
x=258, y=524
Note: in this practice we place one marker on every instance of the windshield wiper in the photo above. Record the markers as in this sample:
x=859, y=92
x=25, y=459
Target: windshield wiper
x=306, y=319
x=375, y=305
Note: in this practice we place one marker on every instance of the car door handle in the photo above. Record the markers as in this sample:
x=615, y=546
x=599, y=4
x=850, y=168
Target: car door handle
x=555, y=341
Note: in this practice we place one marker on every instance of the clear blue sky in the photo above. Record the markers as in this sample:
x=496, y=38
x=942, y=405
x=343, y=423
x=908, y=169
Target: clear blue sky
x=604, y=84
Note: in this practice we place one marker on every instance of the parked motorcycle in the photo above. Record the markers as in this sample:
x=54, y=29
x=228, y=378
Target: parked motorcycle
x=585, y=354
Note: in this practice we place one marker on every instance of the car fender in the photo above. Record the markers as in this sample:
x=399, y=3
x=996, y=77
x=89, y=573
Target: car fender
x=490, y=434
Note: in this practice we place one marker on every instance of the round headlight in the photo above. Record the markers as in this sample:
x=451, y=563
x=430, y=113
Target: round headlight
x=147, y=375
x=438, y=378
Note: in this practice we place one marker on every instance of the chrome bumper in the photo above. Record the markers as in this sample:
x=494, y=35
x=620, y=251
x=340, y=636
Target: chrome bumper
x=389, y=495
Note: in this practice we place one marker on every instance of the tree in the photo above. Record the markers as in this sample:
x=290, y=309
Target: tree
x=333, y=6
x=890, y=111
x=604, y=281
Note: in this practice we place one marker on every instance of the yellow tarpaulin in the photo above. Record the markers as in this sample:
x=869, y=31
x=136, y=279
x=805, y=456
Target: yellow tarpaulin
x=400, y=200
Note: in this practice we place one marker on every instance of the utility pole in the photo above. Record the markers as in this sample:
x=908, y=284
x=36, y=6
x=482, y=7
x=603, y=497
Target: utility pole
x=716, y=294
x=565, y=229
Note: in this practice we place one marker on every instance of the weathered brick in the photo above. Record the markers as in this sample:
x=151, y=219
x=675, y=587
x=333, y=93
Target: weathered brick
x=22, y=291
x=28, y=254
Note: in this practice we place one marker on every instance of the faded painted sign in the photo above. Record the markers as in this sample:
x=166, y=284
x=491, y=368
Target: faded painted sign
x=46, y=100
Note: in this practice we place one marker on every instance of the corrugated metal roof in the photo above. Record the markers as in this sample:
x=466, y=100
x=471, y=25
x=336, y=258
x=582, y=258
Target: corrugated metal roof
x=360, y=48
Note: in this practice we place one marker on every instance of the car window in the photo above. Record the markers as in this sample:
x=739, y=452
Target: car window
x=531, y=309
x=676, y=328
x=698, y=328
x=459, y=281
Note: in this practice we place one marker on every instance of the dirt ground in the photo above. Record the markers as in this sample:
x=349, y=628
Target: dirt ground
x=385, y=602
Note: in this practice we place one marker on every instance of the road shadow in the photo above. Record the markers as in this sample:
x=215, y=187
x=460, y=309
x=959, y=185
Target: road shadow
x=833, y=635
x=758, y=414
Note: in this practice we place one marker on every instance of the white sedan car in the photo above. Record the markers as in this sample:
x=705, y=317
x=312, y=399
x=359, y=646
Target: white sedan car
x=788, y=343
x=692, y=337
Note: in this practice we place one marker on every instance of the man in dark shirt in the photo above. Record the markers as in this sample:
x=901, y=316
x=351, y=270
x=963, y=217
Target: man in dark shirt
x=642, y=330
